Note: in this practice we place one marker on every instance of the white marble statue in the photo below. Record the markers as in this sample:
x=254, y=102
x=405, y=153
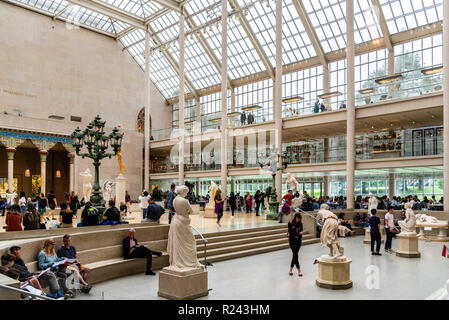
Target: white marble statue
x=10, y=196
x=424, y=218
x=87, y=185
x=108, y=189
x=408, y=226
x=212, y=191
x=329, y=233
x=297, y=202
x=291, y=183
x=181, y=246
x=372, y=203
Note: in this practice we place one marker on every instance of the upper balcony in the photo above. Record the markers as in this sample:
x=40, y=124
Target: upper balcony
x=411, y=91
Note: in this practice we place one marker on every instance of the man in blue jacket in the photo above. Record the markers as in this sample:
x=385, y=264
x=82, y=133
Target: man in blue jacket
x=170, y=197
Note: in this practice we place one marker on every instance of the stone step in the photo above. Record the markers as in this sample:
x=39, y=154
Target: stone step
x=236, y=231
x=249, y=252
x=242, y=235
x=259, y=239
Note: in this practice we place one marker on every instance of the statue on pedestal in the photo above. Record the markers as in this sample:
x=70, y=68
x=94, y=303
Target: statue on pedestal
x=329, y=233
x=87, y=184
x=120, y=162
x=108, y=189
x=181, y=246
x=212, y=191
x=372, y=203
x=409, y=224
x=291, y=181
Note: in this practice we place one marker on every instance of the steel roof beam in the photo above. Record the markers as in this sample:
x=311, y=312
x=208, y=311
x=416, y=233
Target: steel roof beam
x=383, y=24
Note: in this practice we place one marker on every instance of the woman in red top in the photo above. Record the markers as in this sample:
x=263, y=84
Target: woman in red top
x=14, y=219
x=249, y=202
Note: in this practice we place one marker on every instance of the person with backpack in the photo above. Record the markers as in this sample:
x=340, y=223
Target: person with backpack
x=31, y=218
x=168, y=204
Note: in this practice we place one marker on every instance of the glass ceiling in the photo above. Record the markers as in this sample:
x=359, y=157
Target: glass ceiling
x=327, y=18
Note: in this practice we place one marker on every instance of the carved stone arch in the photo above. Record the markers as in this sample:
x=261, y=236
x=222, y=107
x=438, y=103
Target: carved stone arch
x=141, y=121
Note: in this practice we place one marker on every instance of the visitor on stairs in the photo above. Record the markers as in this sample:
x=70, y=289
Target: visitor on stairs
x=13, y=218
x=31, y=218
x=258, y=197
x=90, y=216
x=219, y=203
x=295, y=232
x=67, y=251
x=65, y=216
x=131, y=249
x=143, y=198
x=154, y=211
x=112, y=215
x=374, y=223
x=52, y=203
x=390, y=229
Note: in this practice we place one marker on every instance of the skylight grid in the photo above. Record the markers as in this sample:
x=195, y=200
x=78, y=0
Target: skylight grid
x=89, y=18
x=131, y=6
x=132, y=37
x=199, y=15
x=119, y=26
x=242, y=58
x=150, y=7
x=403, y=15
x=199, y=68
x=296, y=43
x=52, y=6
x=163, y=76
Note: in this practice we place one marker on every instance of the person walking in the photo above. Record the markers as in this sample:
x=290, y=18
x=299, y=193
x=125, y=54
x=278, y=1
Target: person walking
x=295, y=232
x=42, y=204
x=390, y=229
x=143, y=198
x=219, y=203
x=374, y=223
x=258, y=201
x=52, y=204
x=232, y=202
x=248, y=202
x=74, y=202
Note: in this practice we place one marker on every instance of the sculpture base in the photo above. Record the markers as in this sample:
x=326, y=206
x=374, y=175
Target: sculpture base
x=274, y=207
x=367, y=239
x=333, y=273
x=183, y=285
x=408, y=245
x=210, y=213
x=120, y=189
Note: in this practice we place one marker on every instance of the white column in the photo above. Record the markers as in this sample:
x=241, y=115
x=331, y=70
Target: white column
x=350, y=105
x=147, y=93
x=181, y=99
x=10, y=153
x=278, y=93
x=72, y=172
x=446, y=104
x=43, y=156
x=326, y=88
x=233, y=101
x=198, y=110
x=224, y=97
x=391, y=185
x=391, y=62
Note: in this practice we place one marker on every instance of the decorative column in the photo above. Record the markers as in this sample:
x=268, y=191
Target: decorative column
x=350, y=105
x=278, y=94
x=10, y=152
x=43, y=155
x=390, y=185
x=391, y=62
x=446, y=104
x=233, y=100
x=326, y=88
x=71, y=157
x=224, y=97
x=181, y=99
x=147, y=93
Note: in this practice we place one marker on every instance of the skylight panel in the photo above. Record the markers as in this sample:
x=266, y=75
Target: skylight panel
x=131, y=6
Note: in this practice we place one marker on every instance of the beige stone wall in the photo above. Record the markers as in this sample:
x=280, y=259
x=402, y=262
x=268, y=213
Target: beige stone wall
x=49, y=69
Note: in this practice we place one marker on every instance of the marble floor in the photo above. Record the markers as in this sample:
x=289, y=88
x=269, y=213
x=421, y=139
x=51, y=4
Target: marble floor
x=265, y=277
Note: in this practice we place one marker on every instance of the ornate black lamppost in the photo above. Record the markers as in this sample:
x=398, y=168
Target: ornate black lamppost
x=96, y=141
x=272, y=162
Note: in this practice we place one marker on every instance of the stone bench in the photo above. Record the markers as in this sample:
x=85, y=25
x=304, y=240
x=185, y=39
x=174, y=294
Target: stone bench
x=102, y=251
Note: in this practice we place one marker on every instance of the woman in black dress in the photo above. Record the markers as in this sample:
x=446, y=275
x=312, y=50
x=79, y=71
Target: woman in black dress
x=232, y=202
x=295, y=239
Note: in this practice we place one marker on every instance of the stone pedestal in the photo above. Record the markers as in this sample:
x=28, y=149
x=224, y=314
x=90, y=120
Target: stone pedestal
x=210, y=213
x=408, y=245
x=333, y=273
x=367, y=239
x=183, y=285
x=195, y=208
x=120, y=189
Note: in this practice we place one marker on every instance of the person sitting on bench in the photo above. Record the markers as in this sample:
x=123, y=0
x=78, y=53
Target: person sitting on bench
x=132, y=249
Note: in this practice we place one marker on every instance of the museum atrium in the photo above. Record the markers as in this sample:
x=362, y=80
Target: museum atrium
x=347, y=97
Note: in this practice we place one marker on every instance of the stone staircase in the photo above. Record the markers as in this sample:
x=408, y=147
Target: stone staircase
x=233, y=244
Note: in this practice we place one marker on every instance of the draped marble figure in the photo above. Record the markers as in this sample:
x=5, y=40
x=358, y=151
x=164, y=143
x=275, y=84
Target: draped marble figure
x=409, y=224
x=329, y=233
x=181, y=246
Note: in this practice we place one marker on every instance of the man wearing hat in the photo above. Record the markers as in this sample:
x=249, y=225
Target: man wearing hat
x=154, y=211
x=47, y=279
